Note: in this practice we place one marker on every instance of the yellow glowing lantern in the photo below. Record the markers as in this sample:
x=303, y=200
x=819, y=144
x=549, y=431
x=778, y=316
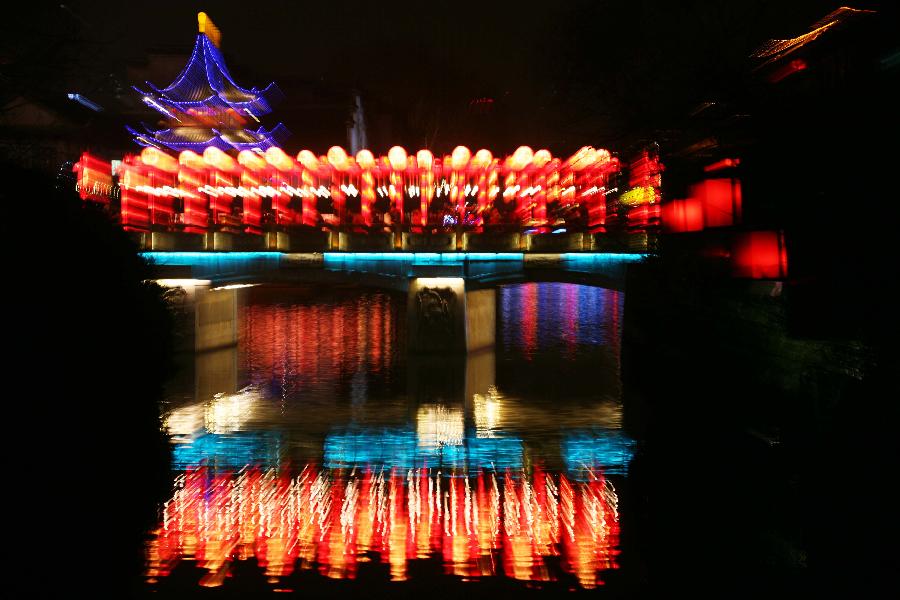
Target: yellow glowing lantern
x=425, y=159
x=602, y=156
x=397, y=158
x=521, y=158
x=308, y=160
x=460, y=158
x=365, y=159
x=251, y=160
x=367, y=190
x=218, y=159
x=582, y=159
x=483, y=158
x=191, y=159
x=637, y=196
x=153, y=157
x=278, y=159
x=337, y=158
x=541, y=158
x=307, y=180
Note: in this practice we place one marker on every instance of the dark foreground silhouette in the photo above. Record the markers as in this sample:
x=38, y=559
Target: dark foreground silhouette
x=89, y=341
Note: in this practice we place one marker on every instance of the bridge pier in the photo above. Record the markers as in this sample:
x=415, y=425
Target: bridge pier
x=215, y=319
x=445, y=318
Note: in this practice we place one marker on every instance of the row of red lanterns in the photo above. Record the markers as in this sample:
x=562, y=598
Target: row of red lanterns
x=397, y=159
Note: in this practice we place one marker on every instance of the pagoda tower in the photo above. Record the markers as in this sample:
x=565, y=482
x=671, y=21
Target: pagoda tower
x=205, y=107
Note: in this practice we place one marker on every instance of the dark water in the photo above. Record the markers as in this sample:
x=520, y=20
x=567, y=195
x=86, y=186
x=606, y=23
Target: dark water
x=317, y=450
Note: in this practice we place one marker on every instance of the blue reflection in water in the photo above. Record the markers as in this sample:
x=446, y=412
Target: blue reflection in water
x=401, y=448
x=551, y=316
x=228, y=451
x=610, y=450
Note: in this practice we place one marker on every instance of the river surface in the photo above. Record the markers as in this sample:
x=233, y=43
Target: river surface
x=312, y=449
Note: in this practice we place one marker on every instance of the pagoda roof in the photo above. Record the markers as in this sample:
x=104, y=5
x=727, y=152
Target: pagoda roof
x=198, y=138
x=206, y=82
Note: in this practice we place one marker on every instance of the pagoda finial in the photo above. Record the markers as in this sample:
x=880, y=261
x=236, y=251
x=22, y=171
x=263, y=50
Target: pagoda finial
x=209, y=28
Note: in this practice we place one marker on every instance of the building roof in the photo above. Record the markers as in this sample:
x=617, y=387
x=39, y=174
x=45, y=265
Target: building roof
x=206, y=82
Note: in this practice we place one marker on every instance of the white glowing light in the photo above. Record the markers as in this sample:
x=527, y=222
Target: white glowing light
x=174, y=283
x=231, y=412
x=151, y=102
x=233, y=286
x=488, y=411
x=185, y=421
x=439, y=426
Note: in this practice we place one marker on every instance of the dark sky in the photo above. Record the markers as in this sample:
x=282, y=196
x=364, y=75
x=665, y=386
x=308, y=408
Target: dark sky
x=561, y=74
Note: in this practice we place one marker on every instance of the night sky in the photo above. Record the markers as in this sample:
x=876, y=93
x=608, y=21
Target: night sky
x=557, y=75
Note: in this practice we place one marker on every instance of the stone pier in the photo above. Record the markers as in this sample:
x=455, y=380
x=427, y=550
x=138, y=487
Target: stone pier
x=445, y=318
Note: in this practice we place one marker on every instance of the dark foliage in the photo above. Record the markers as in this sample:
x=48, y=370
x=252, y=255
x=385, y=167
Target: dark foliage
x=90, y=353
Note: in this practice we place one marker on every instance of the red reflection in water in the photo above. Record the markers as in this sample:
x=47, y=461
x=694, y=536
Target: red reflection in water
x=529, y=318
x=614, y=319
x=284, y=340
x=330, y=520
x=570, y=307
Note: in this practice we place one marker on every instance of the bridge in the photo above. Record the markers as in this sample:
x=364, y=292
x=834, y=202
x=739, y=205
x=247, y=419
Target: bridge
x=451, y=303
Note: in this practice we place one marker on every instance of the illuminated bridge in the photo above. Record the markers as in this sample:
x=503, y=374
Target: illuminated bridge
x=451, y=297
x=395, y=270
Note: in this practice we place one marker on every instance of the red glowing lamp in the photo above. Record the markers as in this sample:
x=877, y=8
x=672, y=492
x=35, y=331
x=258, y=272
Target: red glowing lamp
x=364, y=159
x=154, y=157
x=397, y=158
x=521, y=158
x=759, y=255
x=460, y=158
x=338, y=159
x=218, y=159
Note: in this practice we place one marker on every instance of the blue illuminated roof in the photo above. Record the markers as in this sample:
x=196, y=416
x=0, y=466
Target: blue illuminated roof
x=205, y=90
x=206, y=82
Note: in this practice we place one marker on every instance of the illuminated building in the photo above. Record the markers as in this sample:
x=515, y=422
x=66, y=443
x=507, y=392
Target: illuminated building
x=204, y=107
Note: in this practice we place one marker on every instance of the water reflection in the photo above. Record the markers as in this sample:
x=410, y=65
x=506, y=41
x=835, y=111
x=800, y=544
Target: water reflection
x=331, y=519
x=314, y=443
x=551, y=334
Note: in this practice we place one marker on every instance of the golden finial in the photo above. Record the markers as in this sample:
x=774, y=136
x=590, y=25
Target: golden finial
x=209, y=28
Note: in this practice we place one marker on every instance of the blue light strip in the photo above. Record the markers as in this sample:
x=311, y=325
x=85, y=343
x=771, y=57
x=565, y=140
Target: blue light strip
x=602, y=257
x=425, y=257
x=191, y=258
x=218, y=265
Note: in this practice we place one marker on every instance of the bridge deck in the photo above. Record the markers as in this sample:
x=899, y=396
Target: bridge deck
x=394, y=270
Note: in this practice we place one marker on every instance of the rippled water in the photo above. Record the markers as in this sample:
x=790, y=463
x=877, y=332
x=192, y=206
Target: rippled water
x=318, y=445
